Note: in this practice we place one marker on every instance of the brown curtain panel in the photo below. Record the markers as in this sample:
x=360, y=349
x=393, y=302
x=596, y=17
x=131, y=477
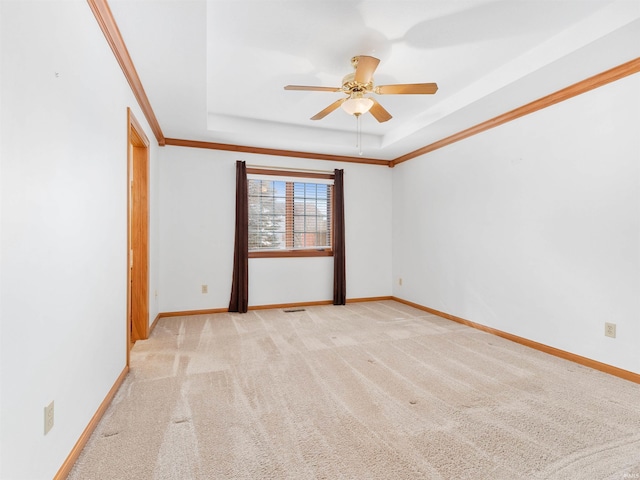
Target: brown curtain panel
x=240, y=285
x=339, y=270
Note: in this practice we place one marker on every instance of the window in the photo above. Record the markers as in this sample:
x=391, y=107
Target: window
x=289, y=216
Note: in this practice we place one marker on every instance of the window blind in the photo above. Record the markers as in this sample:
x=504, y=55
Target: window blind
x=289, y=212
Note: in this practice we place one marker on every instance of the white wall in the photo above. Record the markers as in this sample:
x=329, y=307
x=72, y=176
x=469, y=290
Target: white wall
x=154, y=221
x=533, y=227
x=63, y=229
x=197, y=205
x=1, y=250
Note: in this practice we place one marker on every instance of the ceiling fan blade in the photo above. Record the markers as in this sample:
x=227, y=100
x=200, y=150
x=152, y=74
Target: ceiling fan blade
x=365, y=68
x=378, y=111
x=328, y=110
x=313, y=89
x=407, y=88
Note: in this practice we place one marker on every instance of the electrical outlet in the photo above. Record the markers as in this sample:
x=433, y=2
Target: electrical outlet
x=205, y=288
x=400, y=281
x=48, y=418
x=610, y=330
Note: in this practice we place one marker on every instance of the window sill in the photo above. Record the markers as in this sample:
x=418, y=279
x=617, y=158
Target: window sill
x=292, y=253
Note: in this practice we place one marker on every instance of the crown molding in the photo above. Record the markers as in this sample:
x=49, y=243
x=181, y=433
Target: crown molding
x=608, y=76
x=271, y=151
x=591, y=83
x=102, y=12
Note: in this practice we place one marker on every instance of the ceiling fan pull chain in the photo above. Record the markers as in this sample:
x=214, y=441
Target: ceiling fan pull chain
x=359, y=135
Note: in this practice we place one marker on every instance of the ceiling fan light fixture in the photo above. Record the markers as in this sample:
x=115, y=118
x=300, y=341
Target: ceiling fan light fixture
x=357, y=105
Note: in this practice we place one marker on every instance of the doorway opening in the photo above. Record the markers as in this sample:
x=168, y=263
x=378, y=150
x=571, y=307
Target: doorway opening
x=138, y=233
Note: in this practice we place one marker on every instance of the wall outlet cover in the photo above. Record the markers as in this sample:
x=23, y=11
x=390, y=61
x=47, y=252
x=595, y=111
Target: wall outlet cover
x=48, y=418
x=610, y=330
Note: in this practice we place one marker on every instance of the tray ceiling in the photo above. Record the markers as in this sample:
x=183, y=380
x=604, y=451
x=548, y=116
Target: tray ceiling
x=215, y=70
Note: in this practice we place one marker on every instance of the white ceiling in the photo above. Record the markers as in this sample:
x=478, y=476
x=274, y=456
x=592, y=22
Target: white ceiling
x=215, y=70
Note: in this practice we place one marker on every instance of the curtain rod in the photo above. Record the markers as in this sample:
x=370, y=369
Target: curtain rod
x=287, y=169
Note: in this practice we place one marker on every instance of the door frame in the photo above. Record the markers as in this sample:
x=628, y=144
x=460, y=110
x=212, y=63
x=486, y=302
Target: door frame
x=137, y=232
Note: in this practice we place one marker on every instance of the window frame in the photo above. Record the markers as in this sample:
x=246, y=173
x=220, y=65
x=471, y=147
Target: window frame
x=295, y=252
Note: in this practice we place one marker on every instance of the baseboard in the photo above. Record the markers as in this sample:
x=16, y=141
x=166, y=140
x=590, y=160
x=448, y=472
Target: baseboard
x=587, y=362
x=154, y=323
x=184, y=313
x=267, y=307
x=274, y=306
x=369, y=299
x=84, y=438
x=317, y=303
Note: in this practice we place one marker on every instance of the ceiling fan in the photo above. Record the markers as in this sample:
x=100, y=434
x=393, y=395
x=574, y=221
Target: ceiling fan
x=360, y=83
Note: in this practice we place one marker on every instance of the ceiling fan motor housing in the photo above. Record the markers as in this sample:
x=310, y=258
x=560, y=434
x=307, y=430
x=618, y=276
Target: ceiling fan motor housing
x=349, y=85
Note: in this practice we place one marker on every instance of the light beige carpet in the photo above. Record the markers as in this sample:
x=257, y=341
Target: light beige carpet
x=366, y=391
